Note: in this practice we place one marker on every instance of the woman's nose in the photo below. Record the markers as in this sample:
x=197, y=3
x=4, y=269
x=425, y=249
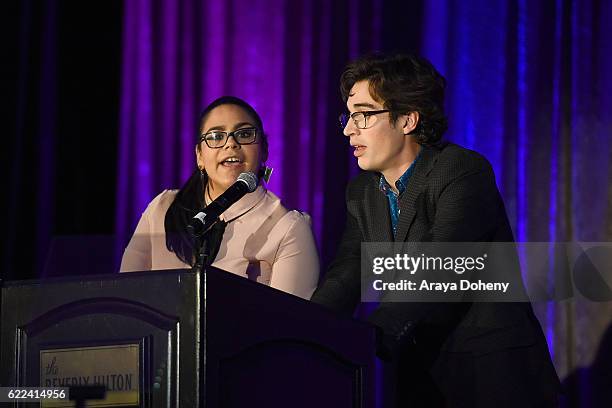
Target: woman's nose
x=231, y=142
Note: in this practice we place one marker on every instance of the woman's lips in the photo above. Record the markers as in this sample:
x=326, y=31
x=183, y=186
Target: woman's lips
x=232, y=164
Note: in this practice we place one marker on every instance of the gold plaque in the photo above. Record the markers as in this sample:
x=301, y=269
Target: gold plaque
x=116, y=367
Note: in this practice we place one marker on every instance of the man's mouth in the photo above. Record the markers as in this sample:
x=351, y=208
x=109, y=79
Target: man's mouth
x=359, y=150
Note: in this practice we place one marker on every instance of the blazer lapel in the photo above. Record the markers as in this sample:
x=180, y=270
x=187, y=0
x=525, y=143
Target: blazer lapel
x=415, y=186
x=378, y=219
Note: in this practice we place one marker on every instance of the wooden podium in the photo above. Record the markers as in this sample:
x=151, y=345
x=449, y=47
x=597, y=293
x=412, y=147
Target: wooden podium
x=139, y=335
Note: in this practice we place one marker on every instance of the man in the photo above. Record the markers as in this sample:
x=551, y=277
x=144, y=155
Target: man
x=416, y=188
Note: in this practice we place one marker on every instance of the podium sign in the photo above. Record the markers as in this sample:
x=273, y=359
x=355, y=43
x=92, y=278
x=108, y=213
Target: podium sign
x=116, y=367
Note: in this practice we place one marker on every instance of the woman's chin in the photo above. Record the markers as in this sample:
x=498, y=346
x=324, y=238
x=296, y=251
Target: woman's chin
x=225, y=176
x=220, y=184
x=231, y=171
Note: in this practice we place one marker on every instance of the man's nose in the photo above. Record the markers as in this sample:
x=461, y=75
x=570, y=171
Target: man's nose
x=350, y=128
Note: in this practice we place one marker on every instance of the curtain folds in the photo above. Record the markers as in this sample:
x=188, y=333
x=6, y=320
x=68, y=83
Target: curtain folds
x=529, y=87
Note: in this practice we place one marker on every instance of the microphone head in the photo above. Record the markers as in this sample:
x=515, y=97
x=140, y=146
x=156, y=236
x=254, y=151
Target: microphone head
x=249, y=179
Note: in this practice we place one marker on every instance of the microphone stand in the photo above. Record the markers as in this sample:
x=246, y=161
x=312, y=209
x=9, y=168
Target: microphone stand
x=202, y=254
x=202, y=259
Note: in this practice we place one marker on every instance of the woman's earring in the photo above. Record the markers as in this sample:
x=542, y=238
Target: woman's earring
x=265, y=173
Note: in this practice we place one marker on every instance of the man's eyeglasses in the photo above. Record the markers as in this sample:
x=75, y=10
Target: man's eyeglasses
x=359, y=118
x=216, y=139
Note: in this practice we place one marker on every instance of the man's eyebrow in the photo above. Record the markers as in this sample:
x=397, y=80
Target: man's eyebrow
x=364, y=105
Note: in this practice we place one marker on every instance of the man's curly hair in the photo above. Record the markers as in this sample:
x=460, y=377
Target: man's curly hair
x=403, y=83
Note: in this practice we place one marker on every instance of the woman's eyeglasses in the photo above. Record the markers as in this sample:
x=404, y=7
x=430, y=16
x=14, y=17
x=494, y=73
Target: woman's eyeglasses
x=216, y=139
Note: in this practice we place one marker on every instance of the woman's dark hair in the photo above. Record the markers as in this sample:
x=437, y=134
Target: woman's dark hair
x=190, y=198
x=403, y=83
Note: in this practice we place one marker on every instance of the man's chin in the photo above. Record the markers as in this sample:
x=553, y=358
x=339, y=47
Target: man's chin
x=364, y=164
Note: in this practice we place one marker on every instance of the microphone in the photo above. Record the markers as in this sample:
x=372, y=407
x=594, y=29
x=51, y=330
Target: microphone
x=204, y=220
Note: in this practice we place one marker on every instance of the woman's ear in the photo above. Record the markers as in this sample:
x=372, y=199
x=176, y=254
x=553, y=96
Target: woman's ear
x=199, y=159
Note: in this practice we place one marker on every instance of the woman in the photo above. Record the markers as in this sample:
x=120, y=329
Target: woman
x=262, y=241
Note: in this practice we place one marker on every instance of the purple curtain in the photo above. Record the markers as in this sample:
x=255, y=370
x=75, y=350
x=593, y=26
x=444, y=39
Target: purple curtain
x=529, y=86
x=280, y=56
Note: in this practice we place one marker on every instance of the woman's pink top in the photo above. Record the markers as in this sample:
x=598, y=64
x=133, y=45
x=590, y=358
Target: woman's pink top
x=263, y=241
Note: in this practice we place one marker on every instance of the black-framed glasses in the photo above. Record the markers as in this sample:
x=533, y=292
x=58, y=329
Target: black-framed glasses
x=359, y=118
x=216, y=139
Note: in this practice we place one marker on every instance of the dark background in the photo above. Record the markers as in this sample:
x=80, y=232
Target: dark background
x=78, y=66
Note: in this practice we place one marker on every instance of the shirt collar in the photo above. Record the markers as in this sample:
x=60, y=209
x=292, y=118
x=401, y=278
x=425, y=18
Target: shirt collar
x=402, y=182
x=247, y=202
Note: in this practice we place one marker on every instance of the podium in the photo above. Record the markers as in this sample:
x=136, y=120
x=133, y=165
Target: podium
x=141, y=335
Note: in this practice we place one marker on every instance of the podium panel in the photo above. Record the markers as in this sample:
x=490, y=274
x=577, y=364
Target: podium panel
x=179, y=339
x=125, y=332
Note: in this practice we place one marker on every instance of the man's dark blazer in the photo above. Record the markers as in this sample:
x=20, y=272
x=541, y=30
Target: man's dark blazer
x=452, y=354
